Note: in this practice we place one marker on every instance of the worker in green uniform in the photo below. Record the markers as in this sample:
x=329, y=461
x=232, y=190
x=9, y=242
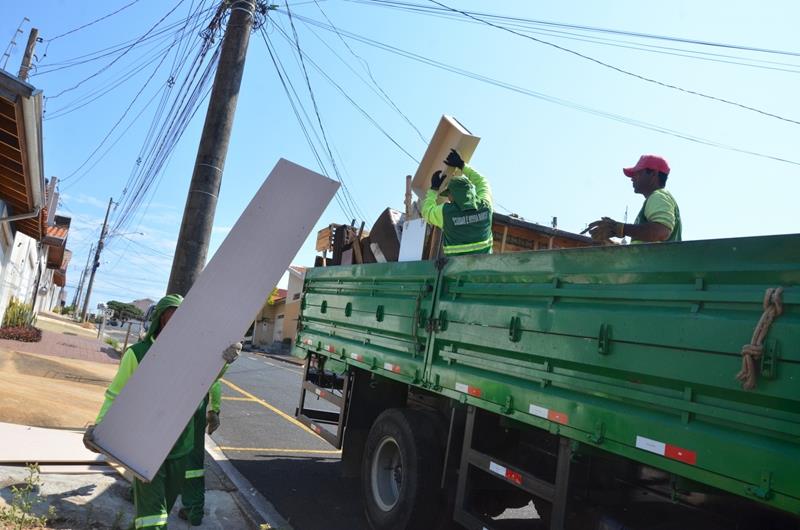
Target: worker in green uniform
x=193, y=495
x=154, y=500
x=659, y=218
x=466, y=221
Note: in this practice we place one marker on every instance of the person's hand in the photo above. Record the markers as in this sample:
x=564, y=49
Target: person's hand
x=604, y=229
x=88, y=438
x=454, y=159
x=231, y=353
x=436, y=180
x=212, y=420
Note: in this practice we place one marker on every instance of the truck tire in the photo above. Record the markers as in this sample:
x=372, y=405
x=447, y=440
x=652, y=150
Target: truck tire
x=401, y=471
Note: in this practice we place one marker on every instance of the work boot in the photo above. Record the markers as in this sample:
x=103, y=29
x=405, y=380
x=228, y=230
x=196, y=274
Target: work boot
x=188, y=514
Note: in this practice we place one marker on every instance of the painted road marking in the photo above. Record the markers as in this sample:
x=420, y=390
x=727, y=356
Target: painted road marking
x=231, y=398
x=282, y=450
x=266, y=405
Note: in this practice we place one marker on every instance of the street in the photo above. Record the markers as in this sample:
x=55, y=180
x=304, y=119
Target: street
x=292, y=467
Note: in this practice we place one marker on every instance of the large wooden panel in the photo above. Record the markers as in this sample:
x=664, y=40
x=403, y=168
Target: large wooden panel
x=21, y=444
x=161, y=396
x=450, y=134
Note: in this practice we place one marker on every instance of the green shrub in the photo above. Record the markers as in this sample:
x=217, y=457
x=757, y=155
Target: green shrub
x=114, y=343
x=18, y=314
x=20, y=513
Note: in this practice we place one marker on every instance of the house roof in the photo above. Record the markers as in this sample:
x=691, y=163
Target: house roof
x=21, y=161
x=546, y=230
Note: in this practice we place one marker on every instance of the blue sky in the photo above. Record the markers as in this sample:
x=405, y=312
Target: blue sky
x=542, y=159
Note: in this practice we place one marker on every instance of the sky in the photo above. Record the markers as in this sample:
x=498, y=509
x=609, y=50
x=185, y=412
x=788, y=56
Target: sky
x=552, y=145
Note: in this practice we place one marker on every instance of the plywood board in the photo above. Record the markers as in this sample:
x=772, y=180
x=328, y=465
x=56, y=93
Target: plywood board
x=413, y=242
x=449, y=134
x=159, y=399
x=20, y=444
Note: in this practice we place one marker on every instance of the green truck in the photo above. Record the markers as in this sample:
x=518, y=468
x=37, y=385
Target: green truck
x=589, y=388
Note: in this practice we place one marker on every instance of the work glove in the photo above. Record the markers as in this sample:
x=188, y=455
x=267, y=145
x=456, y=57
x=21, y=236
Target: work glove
x=604, y=229
x=454, y=159
x=88, y=437
x=436, y=180
x=212, y=420
x=231, y=353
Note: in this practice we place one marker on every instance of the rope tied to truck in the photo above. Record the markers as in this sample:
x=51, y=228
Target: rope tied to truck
x=773, y=307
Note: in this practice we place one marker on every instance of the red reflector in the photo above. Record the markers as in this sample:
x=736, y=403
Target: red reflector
x=513, y=476
x=473, y=391
x=680, y=454
x=558, y=417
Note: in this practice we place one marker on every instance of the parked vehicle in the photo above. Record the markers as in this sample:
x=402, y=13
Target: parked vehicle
x=598, y=383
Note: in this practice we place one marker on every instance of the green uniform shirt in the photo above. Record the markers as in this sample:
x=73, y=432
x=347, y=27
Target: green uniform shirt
x=465, y=231
x=660, y=207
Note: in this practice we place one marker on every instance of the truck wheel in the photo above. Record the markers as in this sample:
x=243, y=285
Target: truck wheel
x=401, y=470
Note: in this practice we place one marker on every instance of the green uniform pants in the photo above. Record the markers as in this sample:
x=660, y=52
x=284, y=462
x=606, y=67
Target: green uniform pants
x=193, y=494
x=154, y=499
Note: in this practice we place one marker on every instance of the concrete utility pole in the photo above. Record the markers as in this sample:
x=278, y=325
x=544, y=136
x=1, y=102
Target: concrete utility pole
x=96, y=263
x=25, y=68
x=201, y=202
x=77, y=300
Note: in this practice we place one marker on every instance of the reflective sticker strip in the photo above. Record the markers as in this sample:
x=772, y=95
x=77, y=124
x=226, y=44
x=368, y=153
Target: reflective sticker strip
x=151, y=520
x=391, y=367
x=552, y=415
x=320, y=392
x=194, y=473
x=308, y=342
x=330, y=349
x=503, y=471
x=357, y=357
x=466, y=389
x=667, y=450
x=315, y=428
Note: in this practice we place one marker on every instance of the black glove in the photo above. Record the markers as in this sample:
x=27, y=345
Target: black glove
x=454, y=159
x=436, y=180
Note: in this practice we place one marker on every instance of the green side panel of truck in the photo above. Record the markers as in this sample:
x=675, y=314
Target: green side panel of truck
x=632, y=349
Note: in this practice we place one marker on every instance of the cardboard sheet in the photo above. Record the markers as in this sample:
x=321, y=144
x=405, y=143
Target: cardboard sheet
x=450, y=134
x=413, y=243
x=21, y=444
x=149, y=414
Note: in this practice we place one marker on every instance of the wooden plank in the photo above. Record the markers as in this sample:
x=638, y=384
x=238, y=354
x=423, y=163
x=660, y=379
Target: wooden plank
x=161, y=396
x=450, y=134
x=22, y=444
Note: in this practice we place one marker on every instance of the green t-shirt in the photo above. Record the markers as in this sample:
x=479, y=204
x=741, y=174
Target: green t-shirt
x=660, y=207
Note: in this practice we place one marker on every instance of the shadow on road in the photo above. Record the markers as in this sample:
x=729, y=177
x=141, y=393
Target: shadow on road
x=308, y=492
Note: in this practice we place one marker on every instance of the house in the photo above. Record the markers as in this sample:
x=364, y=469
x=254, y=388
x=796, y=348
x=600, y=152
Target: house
x=143, y=304
x=277, y=320
x=28, y=225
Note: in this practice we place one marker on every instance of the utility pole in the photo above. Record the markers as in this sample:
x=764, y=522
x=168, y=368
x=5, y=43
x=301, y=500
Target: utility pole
x=25, y=68
x=201, y=201
x=79, y=290
x=96, y=263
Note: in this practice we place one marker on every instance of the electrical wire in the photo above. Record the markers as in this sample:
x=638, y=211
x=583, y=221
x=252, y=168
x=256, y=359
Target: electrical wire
x=70, y=32
x=347, y=194
x=619, y=69
x=541, y=96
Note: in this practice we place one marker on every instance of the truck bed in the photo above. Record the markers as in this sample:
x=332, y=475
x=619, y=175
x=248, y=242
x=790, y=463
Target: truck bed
x=632, y=349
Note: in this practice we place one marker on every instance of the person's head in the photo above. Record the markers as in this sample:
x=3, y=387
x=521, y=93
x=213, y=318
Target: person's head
x=649, y=174
x=162, y=313
x=462, y=192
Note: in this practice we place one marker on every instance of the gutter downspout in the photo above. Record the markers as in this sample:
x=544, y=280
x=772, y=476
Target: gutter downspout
x=21, y=216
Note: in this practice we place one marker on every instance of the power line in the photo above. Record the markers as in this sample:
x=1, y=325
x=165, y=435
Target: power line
x=126, y=6
x=541, y=96
x=619, y=69
x=347, y=194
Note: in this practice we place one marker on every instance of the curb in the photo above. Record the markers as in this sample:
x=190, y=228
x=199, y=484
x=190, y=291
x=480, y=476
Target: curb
x=261, y=513
x=288, y=359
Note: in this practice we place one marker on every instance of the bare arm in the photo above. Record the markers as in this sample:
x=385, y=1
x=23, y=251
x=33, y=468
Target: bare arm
x=650, y=232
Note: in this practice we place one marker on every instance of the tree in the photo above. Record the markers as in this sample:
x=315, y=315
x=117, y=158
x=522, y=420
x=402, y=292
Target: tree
x=125, y=311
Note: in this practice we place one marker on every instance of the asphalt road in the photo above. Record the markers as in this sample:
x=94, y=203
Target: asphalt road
x=292, y=467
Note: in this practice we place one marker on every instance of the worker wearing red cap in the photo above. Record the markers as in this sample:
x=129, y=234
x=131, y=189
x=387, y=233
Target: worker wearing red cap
x=659, y=218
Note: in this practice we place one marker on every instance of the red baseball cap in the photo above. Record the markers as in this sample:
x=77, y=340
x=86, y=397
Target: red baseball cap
x=647, y=162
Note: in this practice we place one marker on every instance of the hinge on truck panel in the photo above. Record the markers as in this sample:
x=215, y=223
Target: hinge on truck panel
x=599, y=434
x=764, y=489
x=604, y=339
x=515, y=329
x=769, y=359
